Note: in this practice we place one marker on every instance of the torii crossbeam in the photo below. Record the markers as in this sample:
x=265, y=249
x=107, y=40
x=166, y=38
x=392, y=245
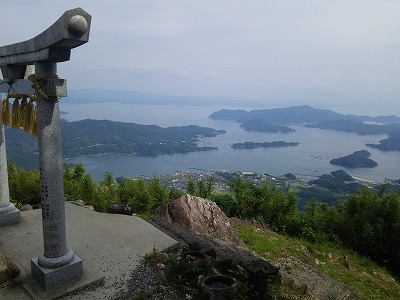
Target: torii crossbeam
x=57, y=264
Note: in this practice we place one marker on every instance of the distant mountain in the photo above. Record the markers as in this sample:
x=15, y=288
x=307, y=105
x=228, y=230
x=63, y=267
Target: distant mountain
x=295, y=114
x=262, y=125
x=359, y=159
x=94, y=137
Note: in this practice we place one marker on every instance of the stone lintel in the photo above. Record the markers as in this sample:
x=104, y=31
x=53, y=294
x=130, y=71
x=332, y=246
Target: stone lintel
x=52, y=45
x=18, y=86
x=28, y=58
x=52, y=87
x=51, y=278
x=13, y=71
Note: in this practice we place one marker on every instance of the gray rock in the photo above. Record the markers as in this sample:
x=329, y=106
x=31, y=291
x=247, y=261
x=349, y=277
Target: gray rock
x=78, y=203
x=26, y=207
x=8, y=270
x=201, y=216
x=120, y=208
x=305, y=280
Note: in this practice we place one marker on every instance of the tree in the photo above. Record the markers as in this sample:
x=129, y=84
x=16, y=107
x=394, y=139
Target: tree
x=24, y=185
x=107, y=193
x=226, y=203
x=369, y=222
x=137, y=194
x=158, y=192
x=190, y=187
x=245, y=197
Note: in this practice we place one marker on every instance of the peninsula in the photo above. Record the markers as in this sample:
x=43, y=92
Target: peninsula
x=103, y=137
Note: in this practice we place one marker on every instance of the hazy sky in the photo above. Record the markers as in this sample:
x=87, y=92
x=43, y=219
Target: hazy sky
x=331, y=54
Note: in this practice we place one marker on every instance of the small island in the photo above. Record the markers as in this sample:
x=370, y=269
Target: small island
x=262, y=125
x=253, y=145
x=359, y=159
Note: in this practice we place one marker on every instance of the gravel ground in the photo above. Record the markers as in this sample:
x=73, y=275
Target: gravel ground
x=145, y=281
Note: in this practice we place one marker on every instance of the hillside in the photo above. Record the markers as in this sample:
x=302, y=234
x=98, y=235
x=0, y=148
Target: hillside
x=99, y=137
x=296, y=114
x=262, y=125
x=369, y=280
x=358, y=159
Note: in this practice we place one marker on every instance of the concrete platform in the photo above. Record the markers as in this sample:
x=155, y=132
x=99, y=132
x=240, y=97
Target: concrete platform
x=110, y=247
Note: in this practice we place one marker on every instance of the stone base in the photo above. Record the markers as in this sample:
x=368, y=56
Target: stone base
x=50, y=278
x=9, y=215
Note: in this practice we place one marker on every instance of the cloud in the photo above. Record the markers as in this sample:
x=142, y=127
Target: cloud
x=141, y=71
x=334, y=51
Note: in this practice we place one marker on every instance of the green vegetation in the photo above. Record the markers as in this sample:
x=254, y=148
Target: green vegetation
x=359, y=159
x=297, y=114
x=262, y=125
x=370, y=280
x=203, y=189
x=144, y=197
x=99, y=137
x=329, y=188
x=367, y=221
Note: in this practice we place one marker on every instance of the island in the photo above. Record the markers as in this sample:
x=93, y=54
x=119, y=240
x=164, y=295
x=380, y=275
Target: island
x=296, y=114
x=359, y=159
x=262, y=125
x=104, y=137
x=253, y=145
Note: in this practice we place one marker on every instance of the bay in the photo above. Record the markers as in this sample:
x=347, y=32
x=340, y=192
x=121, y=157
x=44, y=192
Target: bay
x=307, y=161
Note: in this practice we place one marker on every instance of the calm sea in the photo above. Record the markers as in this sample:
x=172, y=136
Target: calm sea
x=307, y=161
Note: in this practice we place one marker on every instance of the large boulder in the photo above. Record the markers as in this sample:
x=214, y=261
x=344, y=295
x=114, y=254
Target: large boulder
x=201, y=216
x=8, y=270
x=303, y=279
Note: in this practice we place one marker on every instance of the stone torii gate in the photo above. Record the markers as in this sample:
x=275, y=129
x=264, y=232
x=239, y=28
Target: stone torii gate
x=57, y=264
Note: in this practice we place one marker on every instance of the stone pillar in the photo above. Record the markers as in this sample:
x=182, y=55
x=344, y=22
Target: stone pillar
x=58, y=263
x=9, y=214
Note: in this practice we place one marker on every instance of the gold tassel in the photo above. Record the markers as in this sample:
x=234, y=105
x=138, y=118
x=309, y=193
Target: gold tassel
x=22, y=112
x=15, y=114
x=34, y=122
x=28, y=116
x=5, y=112
x=3, y=109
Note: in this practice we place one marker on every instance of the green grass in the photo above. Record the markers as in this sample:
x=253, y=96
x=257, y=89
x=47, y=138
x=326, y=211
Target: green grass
x=369, y=280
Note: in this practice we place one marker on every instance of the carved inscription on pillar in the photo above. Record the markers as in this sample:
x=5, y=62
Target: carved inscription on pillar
x=45, y=202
